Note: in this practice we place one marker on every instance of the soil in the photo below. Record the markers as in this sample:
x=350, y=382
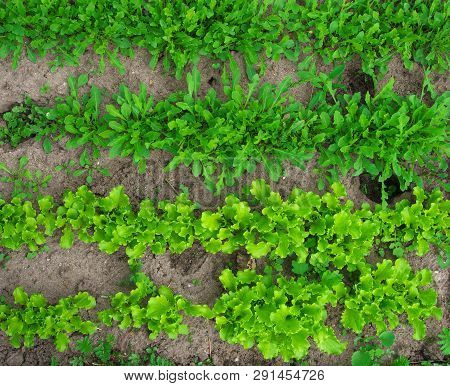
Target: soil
x=373, y=188
x=194, y=273
x=356, y=80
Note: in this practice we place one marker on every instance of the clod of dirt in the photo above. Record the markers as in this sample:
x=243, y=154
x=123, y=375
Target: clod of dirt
x=15, y=359
x=190, y=263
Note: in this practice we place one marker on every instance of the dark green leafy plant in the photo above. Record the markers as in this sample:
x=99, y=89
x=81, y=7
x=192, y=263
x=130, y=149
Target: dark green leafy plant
x=383, y=136
x=180, y=31
x=32, y=254
x=220, y=140
x=79, y=115
x=24, y=121
x=206, y=362
x=103, y=353
x=154, y=359
x=135, y=126
x=401, y=361
x=4, y=258
x=99, y=353
x=431, y=363
x=44, y=89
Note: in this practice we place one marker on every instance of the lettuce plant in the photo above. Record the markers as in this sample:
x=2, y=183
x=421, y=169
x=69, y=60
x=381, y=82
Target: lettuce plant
x=158, y=309
x=278, y=315
x=32, y=316
x=387, y=292
x=21, y=225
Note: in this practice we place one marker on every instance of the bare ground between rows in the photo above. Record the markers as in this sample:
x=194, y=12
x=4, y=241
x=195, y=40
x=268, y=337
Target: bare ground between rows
x=194, y=273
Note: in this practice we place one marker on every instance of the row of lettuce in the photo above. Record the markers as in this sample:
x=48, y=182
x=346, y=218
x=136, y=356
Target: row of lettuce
x=274, y=313
x=275, y=310
x=179, y=32
x=383, y=136
x=319, y=230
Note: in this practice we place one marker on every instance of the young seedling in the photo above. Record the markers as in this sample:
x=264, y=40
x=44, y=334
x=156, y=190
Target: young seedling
x=86, y=167
x=104, y=354
x=444, y=341
x=373, y=351
x=31, y=255
x=4, y=258
x=25, y=183
x=44, y=89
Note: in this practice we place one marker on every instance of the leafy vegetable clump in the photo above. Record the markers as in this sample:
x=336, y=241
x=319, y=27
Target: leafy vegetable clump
x=278, y=317
x=221, y=139
x=21, y=225
x=385, y=135
x=326, y=237
x=385, y=293
x=24, y=121
x=279, y=314
x=182, y=30
x=158, y=309
x=322, y=231
x=33, y=316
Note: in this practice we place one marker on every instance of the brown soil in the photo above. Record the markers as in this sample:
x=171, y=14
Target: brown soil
x=356, y=80
x=194, y=273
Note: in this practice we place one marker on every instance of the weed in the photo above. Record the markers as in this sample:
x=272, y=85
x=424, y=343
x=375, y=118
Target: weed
x=86, y=167
x=24, y=121
x=4, y=258
x=444, y=341
x=102, y=353
x=25, y=183
x=206, y=362
x=32, y=254
x=373, y=351
x=44, y=89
